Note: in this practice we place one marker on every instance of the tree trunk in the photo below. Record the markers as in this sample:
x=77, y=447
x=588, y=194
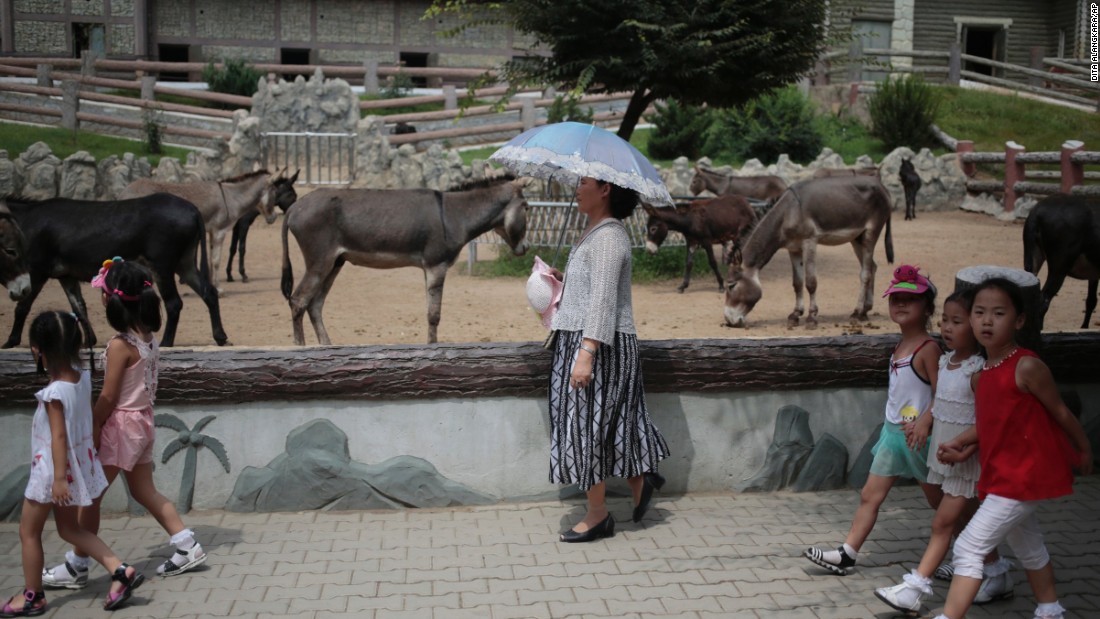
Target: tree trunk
x=639, y=101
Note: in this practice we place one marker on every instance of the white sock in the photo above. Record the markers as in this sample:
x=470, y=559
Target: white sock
x=75, y=560
x=1049, y=609
x=833, y=556
x=184, y=540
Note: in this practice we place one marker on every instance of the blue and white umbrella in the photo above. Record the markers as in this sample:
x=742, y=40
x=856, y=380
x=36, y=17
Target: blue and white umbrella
x=569, y=151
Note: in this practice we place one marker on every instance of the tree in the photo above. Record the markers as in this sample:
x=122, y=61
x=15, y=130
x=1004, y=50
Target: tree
x=191, y=440
x=716, y=52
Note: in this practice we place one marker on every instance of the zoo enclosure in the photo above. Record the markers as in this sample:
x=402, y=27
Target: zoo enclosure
x=323, y=158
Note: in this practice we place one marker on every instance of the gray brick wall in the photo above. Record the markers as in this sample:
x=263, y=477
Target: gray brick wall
x=469, y=60
x=253, y=54
x=120, y=39
x=40, y=37
x=173, y=19
x=295, y=20
x=415, y=31
x=122, y=8
x=354, y=56
x=88, y=7
x=361, y=22
x=42, y=7
x=253, y=20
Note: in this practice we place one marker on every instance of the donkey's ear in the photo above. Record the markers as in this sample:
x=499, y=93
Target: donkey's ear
x=523, y=182
x=294, y=178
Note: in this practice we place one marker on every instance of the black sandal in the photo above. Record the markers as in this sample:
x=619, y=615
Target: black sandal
x=31, y=605
x=129, y=583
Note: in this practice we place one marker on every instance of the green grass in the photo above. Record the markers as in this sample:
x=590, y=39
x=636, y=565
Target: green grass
x=665, y=264
x=991, y=119
x=63, y=142
x=136, y=94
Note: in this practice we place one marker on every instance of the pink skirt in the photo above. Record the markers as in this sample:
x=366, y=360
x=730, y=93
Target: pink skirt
x=127, y=439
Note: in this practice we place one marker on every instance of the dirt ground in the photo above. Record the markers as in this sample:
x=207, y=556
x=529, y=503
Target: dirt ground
x=368, y=306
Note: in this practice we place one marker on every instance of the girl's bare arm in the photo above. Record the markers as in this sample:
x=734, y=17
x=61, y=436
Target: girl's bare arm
x=59, y=447
x=1033, y=376
x=120, y=356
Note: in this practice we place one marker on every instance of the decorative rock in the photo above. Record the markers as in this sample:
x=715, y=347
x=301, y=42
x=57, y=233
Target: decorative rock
x=316, y=472
x=791, y=445
x=169, y=170
x=861, y=468
x=12, y=488
x=826, y=467
x=7, y=176
x=36, y=172
x=78, y=177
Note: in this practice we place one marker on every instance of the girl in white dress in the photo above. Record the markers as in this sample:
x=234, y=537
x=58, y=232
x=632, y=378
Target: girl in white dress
x=65, y=471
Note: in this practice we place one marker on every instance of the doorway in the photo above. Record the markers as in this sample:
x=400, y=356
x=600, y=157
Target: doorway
x=418, y=61
x=91, y=38
x=296, y=56
x=984, y=42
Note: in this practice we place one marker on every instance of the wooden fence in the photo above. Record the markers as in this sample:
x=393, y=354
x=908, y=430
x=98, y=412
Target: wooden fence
x=1056, y=78
x=1071, y=175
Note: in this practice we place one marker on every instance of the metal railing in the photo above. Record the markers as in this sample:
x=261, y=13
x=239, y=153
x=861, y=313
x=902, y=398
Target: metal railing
x=323, y=158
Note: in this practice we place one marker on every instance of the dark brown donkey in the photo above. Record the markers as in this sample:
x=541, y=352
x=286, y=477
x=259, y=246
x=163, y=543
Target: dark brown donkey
x=1064, y=232
x=386, y=229
x=759, y=187
x=829, y=211
x=703, y=223
x=910, y=182
x=13, y=256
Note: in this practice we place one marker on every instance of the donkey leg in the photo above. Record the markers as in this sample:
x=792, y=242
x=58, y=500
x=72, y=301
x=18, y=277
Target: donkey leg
x=303, y=295
x=76, y=300
x=217, y=238
x=242, y=243
x=433, y=281
x=317, y=305
x=809, y=272
x=190, y=276
x=866, y=258
x=23, y=308
x=689, y=265
x=1090, y=302
x=714, y=264
x=796, y=281
x=173, y=304
x=1056, y=276
x=233, y=242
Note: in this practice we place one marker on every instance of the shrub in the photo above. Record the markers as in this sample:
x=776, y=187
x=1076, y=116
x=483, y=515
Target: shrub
x=679, y=130
x=902, y=112
x=567, y=108
x=782, y=121
x=153, y=132
x=234, y=77
x=397, y=86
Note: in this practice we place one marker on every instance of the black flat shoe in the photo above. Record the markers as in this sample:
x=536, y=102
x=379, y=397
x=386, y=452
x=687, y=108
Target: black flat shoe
x=606, y=528
x=650, y=483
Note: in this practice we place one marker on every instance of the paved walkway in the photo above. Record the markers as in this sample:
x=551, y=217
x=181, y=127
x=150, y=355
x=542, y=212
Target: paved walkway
x=700, y=555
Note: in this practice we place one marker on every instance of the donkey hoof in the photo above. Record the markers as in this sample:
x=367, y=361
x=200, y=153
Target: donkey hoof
x=811, y=324
x=244, y=278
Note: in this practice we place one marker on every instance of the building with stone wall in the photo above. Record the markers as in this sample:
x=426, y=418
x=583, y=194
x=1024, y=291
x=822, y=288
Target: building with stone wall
x=270, y=31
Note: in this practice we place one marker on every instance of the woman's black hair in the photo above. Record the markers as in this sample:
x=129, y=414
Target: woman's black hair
x=965, y=298
x=142, y=311
x=58, y=337
x=1007, y=286
x=622, y=200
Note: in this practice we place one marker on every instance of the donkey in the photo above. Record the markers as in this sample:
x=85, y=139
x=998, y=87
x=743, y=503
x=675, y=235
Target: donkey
x=1064, y=231
x=829, y=172
x=386, y=229
x=221, y=203
x=68, y=240
x=284, y=197
x=703, y=223
x=829, y=211
x=759, y=187
x=910, y=181
x=13, y=256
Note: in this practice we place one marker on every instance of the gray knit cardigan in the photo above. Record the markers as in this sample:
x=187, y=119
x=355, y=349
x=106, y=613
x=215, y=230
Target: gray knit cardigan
x=596, y=299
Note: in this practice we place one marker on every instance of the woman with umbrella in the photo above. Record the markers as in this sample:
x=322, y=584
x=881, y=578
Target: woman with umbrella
x=600, y=426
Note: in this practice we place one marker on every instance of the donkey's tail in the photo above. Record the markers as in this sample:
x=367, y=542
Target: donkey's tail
x=889, y=240
x=204, y=263
x=287, y=282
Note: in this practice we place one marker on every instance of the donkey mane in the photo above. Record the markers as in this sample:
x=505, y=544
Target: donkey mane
x=245, y=176
x=483, y=183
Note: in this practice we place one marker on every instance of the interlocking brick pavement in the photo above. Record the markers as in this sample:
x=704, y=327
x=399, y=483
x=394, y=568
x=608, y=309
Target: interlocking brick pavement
x=699, y=556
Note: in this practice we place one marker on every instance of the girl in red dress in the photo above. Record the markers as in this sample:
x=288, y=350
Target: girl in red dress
x=1028, y=442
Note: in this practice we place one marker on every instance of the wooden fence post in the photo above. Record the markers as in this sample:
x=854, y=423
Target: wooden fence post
x=450, y=98
x=855, y=60
x=1037, y=64
x=954, y=65
x=148, y=83
x=821, y=72
x=87, y=65
x=1073, y=173
x=44, y=79
x=1014, y=173
x=527, y=113
x=966, y=146
x=70, y=104
x=370, y=77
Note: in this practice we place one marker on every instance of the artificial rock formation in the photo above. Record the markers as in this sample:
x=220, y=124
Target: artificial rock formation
x=791, y=445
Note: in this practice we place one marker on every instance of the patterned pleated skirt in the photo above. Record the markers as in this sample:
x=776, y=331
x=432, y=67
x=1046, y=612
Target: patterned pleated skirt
x=603, y=430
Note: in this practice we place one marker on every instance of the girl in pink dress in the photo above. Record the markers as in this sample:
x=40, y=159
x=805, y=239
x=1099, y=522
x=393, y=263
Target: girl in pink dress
x=65, y=472
x=1028, y=442
x=124, y=419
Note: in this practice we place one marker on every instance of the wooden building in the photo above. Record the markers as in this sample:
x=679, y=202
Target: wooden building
x=276, y=31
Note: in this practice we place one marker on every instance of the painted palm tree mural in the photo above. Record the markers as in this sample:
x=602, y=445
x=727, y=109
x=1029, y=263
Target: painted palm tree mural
x=191, y=440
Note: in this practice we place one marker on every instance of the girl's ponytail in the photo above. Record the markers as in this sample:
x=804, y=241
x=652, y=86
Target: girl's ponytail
x=149, y=312
x=132, y=302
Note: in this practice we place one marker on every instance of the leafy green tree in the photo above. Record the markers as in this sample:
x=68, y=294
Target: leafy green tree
x=902, y=111
x=718, y=52
x=680, y=130
x=782, y=121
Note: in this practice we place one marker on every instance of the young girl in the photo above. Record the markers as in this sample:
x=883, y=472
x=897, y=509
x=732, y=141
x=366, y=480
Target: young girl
x=953, y=413
x=913, y=367
x=124, y=418
x=1026, y=457
x=65, y=472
